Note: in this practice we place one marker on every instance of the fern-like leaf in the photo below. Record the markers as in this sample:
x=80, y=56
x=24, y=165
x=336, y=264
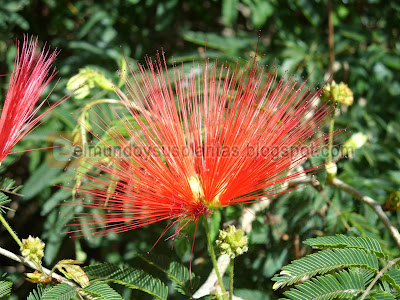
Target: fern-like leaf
x=60, y=291
x=345, y=284
x=368, y=275
x=176, y=271
x=3, y=200
x=36, y=294
x=393, y=277
x=5, y=286
x=132, y=278
x=247, y=294
x=102, y=291
x=8, y=185
x=381, y=295
x=342, y=241
x=325, y=261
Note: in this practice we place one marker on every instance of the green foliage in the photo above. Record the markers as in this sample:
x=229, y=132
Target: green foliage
x=62, y=291
x=37, y=294
x=3, y=200
x=382, y=295
x=5, y=286
x=229, y=11
x=325, y=261
x=7, y=185
x=393, y=277
x=178, y=273
x=47, y=177
x=10, y=16
x=344, y=284
x=357, y=256
x=101, y=275
x=247, y=294
x=103, y=291
x=342, y=241
x=127, y=276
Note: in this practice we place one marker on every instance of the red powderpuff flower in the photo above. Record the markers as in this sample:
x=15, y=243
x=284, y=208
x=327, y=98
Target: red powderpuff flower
x=191, y=143
x=31, y=74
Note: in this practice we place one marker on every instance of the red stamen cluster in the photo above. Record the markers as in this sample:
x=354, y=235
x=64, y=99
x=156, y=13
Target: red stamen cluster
x=29, y=78
x=194, y=142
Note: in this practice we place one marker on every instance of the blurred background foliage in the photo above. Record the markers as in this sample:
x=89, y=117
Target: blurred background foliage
x=294, y=35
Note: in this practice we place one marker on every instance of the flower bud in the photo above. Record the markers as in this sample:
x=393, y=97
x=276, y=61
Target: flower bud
x=338, y=93
x=78, y=84
x=331, y=170
x=356, y=141
x=232, y=242
x=102, y=82
x=87, y=79
x=32, y=249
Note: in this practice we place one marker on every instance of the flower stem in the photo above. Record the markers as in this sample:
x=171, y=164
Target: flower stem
x=330, y=141
x=9, y=229
x=43, y=270
x=84, y=116
x=231, y=279
x=213, y=259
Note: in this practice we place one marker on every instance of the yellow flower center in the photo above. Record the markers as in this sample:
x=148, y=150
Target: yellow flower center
x=198, y=193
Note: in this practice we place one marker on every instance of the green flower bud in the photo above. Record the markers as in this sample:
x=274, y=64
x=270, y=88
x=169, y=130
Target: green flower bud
x=232, y=242
x=87, y=79
x=32, y=249
x=103, y=82
x=356, y=141
x=338, y=93
x=224, y=246
x=331, y=170
x=78, y=84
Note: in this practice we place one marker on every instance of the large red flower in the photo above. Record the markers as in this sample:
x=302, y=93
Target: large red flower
x=195, y=142
x=31, y=74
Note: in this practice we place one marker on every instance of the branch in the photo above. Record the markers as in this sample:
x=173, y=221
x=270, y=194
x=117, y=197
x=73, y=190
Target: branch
x=379, y=275
x=375, y=205
x=57, y=277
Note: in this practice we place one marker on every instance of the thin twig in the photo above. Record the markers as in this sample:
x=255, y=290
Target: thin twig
x=10, y=231
x=317, y=186
x=54, y=275
x=331, y=38
x=30, y=264
x=379, y=275
x=375, y=205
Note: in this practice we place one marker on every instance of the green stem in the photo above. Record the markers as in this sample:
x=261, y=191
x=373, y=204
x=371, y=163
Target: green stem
x=93, y=103
x=231, y=279
x=9, y=229
x=330, y=141
x=213, y=259
x=84, y=116
x=331, y=38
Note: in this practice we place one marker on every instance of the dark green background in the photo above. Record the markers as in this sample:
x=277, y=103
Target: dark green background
x=294, y=35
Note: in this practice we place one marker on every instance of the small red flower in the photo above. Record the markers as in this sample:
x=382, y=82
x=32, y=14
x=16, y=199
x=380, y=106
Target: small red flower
x=31, y=74
x=198, y=141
